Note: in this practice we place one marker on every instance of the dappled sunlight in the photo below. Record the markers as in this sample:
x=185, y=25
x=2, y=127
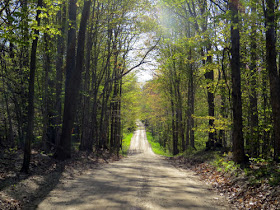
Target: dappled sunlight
x=143, y=180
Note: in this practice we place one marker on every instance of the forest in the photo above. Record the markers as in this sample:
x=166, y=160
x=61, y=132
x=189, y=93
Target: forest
x=69, y=76
x=63, y=66
x=217, y=78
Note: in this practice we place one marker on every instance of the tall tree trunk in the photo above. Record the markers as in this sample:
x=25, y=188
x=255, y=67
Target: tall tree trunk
x=114, y=112
x=237, y=137
x=273, y=74
x=265, y=133
x=180, y=117
x=61, y=17
x=106, y=92
x=95, y=83
x=116, y=100
x=190, y=110
x=254, y=119
x=209, y=76
x=73, y=77
x=119, y=127
x=10, y=134
x=104, y=121
x=24, y=65
x=112, y=137
x=30, y=122
x=63, y=150
x=174, y=129
x=222, y=133
x=47, y=61
x=86, y=139
x=174, y=106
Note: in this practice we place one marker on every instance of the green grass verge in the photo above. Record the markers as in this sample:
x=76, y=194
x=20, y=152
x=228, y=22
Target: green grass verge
x=126, y=143
x=156, y=147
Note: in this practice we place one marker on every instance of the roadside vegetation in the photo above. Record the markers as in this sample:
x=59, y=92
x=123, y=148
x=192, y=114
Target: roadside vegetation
x=156, y=147
x=126, y=143
x=255, y=185
x=251, y=186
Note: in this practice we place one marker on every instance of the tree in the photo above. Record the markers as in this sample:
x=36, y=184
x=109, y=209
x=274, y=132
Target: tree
x=30, y=122
x=73, y=77
x=237, y=137
x=273, y=73
x=254, y=143
x=61, y=19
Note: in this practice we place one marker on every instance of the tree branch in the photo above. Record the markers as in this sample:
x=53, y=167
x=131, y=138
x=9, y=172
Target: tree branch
x=217, y=5
x=134, y=67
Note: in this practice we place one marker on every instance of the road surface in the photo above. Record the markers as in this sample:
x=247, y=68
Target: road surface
x=143, y=180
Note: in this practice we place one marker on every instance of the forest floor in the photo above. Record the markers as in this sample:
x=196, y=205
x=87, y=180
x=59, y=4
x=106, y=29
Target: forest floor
x=255, y=186
x=22, y=191
x=140, y=181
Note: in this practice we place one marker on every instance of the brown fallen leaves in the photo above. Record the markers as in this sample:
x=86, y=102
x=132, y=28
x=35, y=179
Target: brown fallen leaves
x=235, y=186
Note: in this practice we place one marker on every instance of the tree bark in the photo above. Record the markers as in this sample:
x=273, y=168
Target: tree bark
x=273, y=74
x=86, y=139
x=61, y=17
x=174, y=129
x=73, y=77
x=47, y=62
x=253, y=98
x=30, y=122
x=10, y=133
x=190, y=110
x=237, y=137
x=24, y=65
x=209, y=76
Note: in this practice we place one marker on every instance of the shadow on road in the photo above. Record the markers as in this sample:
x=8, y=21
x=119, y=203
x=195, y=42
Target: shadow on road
x=140, y=181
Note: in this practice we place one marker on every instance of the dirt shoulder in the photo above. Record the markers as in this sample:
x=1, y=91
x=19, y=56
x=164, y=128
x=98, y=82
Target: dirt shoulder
x=143, y=180
x=21, y=191
x=238, y=187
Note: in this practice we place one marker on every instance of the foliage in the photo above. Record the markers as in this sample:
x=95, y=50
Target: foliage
x=126, y=143
x=261, y=170
x=131, y=99
x=189, y=102
x=156, y=147
x=108, y=96
x=226, y=165
x=258, y=171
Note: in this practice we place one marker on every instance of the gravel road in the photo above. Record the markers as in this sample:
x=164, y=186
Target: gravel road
x=143, y=180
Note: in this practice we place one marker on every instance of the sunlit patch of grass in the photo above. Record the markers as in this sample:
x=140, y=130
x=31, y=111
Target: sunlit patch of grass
x=126, y=143
x=156, y=147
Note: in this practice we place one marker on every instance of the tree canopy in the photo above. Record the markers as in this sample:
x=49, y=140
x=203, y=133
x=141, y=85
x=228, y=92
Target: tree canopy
x=68, y=75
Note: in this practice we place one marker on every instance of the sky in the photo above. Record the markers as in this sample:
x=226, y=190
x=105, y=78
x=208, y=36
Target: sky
x=145, y=71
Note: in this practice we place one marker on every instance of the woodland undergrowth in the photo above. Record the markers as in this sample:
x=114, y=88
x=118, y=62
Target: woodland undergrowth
x=252, y=186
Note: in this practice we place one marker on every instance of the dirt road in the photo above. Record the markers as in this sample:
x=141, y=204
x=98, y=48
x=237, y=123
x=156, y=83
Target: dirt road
x=143, y=180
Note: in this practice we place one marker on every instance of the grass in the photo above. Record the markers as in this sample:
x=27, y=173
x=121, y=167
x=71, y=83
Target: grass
x=126, y=143
x=156, y=147
x=257, y=171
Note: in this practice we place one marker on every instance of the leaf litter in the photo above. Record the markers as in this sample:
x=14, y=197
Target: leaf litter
x=24, y=191
x=236, y=186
